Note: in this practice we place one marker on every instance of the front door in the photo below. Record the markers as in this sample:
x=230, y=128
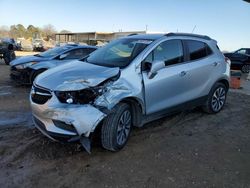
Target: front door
x=169, y=87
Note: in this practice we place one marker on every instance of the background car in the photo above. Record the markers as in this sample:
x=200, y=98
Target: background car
x=7, y=49
x=25, y=69
x=240, y=59
x=38, y=45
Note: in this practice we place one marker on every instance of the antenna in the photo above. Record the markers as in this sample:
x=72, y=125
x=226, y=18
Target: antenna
x=194, y=29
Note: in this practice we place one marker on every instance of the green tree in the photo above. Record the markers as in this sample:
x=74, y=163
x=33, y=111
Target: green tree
x=33, y=32
x=21, y=30
x=13, y=31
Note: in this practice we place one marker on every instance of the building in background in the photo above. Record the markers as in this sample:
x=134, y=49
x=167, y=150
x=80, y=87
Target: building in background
x=92, y=38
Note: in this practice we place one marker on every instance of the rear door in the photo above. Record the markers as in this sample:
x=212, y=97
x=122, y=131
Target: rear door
x=204, y=68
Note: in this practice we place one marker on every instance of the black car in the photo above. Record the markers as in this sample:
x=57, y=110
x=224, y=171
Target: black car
x=7, y=49
x=25, y=69
x=240, y=59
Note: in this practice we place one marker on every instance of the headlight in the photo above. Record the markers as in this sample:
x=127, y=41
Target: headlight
x=25, y=65
x=84, y=96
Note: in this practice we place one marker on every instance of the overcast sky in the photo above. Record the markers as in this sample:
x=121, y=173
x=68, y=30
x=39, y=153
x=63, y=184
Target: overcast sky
x=227, y=21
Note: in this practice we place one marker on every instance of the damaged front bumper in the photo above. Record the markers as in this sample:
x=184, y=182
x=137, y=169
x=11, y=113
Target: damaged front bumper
x=67, y=122
x=20, y=76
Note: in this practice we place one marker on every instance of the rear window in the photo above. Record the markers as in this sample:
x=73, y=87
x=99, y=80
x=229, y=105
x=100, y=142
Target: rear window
x=197, y=49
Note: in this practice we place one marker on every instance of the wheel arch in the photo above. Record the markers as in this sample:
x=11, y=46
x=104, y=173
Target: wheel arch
x=34, y=73
x=225, y=82
x=137, y=109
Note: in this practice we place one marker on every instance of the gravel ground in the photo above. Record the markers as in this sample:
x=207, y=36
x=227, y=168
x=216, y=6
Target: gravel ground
x=189, y=149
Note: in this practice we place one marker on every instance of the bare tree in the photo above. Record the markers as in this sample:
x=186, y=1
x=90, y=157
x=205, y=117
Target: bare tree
x=4, y=31
x=49, y=31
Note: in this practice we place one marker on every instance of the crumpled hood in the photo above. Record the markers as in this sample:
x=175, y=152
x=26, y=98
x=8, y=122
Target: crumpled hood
x=75, y=75
x=27, y=59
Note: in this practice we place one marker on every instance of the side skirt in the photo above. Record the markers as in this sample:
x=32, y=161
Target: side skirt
x=173, y=110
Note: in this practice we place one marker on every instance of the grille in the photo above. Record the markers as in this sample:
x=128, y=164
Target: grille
x=40, y=95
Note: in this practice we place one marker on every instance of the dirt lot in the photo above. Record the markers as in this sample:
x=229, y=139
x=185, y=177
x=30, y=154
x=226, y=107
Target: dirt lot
x=190, y=149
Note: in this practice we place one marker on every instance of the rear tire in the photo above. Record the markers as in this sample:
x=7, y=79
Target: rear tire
x=216, y=99
x=116, y=127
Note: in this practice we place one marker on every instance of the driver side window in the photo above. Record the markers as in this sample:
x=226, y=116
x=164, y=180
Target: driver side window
x=171, y=52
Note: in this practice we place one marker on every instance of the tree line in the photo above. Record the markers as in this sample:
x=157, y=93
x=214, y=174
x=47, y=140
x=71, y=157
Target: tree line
x=19, y=31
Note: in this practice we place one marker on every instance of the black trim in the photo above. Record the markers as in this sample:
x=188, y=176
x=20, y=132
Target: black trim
x=175, y=109
x=64, y=126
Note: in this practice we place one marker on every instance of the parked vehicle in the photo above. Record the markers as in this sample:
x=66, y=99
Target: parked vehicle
x=24, y=45
x=38, y=45
x=240, y=59
x=129, y=82
x=7, y=49
x=25, y=69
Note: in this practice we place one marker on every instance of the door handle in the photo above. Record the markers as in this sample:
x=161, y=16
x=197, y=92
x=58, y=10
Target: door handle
x=215, y=64
x=183, y=73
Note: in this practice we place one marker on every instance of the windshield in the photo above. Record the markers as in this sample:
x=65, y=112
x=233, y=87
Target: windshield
x=53, y=52
x=118, y=53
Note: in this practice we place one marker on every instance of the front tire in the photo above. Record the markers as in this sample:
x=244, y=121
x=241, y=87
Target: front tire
x=116, y=127
x=216, y=99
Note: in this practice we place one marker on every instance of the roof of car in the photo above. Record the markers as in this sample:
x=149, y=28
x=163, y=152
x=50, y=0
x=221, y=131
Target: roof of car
x=157, y=36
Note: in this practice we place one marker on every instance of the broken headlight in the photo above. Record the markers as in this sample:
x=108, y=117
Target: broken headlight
x=85, y=96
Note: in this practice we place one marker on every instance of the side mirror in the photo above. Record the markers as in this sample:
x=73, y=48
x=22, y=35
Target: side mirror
x=63, y=56
x=155, y=67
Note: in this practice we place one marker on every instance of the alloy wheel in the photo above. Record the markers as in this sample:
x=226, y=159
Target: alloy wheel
x=124, y=126
x=218, y=99
x=246, y=68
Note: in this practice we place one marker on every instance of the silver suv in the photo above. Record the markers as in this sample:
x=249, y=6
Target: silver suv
x=129, y=82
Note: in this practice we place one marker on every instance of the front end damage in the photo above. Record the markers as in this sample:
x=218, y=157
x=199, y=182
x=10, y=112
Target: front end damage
x=75, y=107
x=65, y=122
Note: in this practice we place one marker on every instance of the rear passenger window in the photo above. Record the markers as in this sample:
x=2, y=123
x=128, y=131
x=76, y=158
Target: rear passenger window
x=197, y=49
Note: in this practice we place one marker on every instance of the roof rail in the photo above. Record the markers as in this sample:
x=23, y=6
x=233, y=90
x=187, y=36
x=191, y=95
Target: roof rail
x=188, y=35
